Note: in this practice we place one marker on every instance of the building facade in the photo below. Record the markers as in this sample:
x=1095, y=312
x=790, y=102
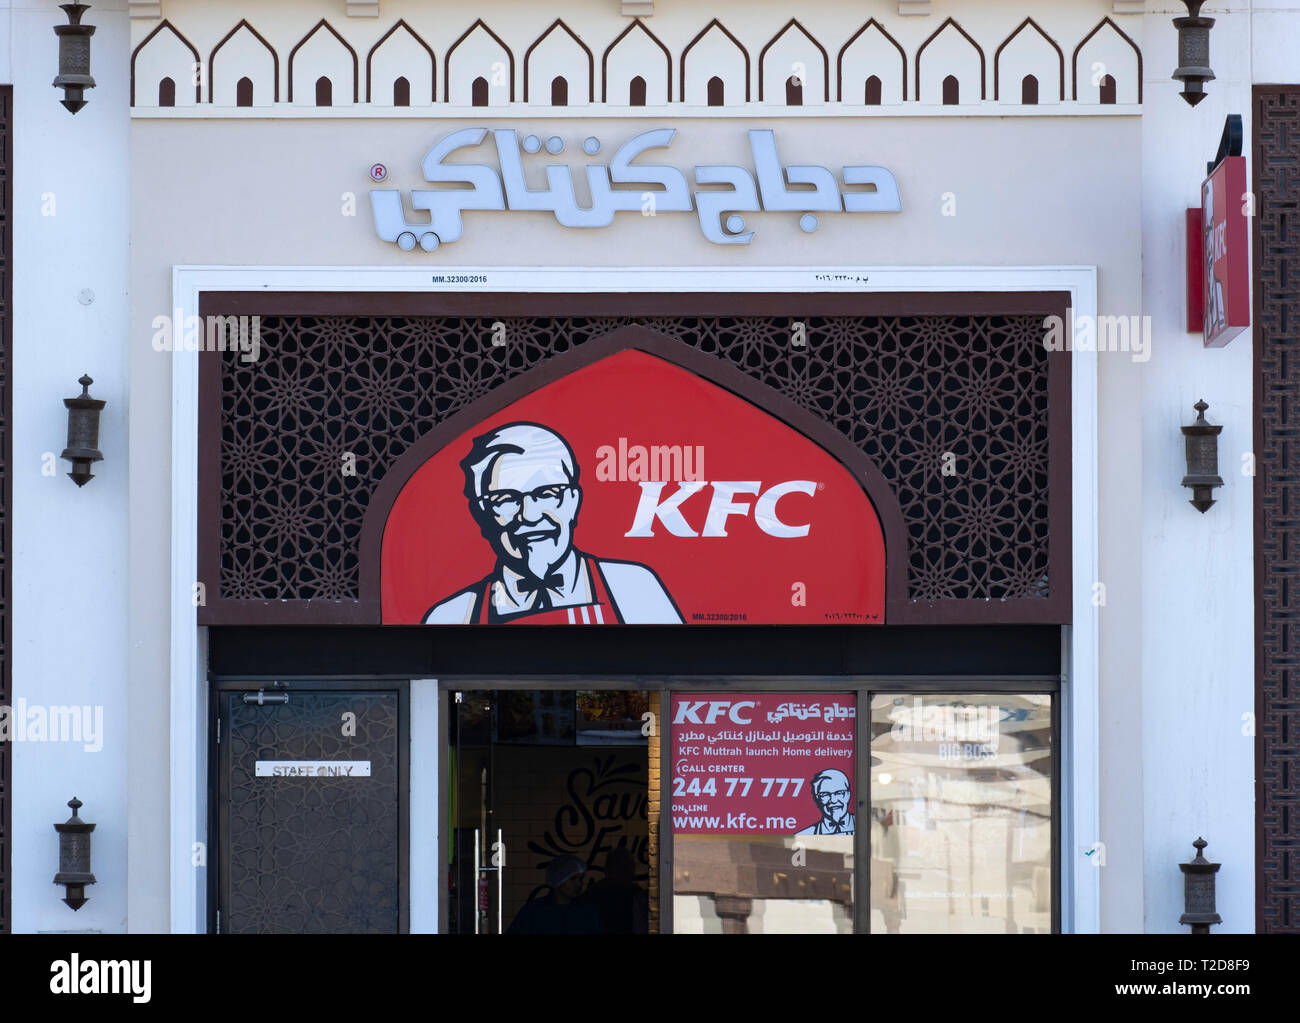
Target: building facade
x=827, y=373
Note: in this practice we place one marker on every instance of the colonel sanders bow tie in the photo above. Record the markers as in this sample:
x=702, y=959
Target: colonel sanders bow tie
x=550, y=582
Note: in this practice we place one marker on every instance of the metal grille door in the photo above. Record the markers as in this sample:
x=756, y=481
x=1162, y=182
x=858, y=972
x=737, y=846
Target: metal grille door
x=310, y=813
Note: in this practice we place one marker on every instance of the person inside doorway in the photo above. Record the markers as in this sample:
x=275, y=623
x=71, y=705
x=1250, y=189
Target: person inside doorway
x=622, y=903
x=562, y=910
x=521, y=480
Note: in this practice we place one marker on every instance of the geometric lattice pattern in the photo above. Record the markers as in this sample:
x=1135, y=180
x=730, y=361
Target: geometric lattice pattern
x=313, y=855
x=1277, y=507
x=914, y=393
x=6, y=485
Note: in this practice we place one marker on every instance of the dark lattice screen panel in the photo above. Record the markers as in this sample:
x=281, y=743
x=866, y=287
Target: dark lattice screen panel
x=906, y=390
x=1277, y=506
x=6, y=484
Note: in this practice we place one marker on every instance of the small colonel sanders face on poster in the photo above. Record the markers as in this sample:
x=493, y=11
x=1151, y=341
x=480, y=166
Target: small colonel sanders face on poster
x=831, y=791
x=630, y=491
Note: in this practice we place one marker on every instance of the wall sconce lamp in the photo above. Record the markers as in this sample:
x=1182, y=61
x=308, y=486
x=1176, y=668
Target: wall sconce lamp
x=1198, y=891
x=74, y=57
x=1193, y=52
x=74, y=856
x=83, y=433
x=1202, y=442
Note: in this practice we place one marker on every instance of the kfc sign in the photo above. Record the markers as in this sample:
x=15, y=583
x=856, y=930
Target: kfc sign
x=631, y=491
x=774, y=763
x=618, y=184
x=1225, y=252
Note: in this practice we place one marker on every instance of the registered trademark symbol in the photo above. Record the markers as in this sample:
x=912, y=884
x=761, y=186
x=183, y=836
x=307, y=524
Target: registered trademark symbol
x=821, y=486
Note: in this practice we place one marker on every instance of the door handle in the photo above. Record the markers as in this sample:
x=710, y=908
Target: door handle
x=261, y=698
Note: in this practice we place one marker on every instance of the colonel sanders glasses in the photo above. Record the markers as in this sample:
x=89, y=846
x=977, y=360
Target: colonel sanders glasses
x=506, y=504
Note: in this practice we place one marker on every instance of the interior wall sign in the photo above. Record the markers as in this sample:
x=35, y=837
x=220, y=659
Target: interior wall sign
x=621, y=186
x=631, y=491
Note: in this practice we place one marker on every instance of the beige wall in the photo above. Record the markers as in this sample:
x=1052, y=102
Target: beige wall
x=1028, y=191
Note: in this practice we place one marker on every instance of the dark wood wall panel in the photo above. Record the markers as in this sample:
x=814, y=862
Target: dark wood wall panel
x=1277, y=507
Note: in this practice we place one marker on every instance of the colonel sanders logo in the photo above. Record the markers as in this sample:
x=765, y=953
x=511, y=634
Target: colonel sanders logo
x=830, y=789
x=521, y=480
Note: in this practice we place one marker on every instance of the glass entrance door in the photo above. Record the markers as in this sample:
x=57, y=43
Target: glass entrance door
x=476, y=878
x=549, y=810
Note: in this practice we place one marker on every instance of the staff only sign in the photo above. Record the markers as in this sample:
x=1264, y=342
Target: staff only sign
x=631, y=491
x=763, y=763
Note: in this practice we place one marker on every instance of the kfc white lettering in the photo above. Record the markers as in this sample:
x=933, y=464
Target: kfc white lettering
x=690, y=711
x=721, y=507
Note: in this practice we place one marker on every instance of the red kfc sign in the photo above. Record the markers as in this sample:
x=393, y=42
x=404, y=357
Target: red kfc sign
x=631, y=491
x=755, y=763
x=1225, y=255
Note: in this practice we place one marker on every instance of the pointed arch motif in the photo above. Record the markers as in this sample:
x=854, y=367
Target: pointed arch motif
x=965, y=35
x=839, y=58
x=275, y=58
x=826, y=61
x=715, y=23
x=997, y=54
x=604, y=58
x=356, y=68
x=446, y=61
x=433, y=63
x=591, y=60
x=635, y=337
x=165, y=24
x=1074, y=57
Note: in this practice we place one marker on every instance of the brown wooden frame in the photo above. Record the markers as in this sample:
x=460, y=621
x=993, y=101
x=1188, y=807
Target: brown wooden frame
x=899, y=610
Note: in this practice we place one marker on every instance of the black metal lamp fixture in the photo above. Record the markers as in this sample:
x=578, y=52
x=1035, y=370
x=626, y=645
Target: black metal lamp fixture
x=74, y=57
x=1202, y=442
x=83, y=433
x=74, y=856
x=1193, y=52
x=1198, y=891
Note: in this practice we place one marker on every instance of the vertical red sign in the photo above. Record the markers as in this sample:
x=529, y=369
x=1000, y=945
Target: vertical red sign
x=1226, y=252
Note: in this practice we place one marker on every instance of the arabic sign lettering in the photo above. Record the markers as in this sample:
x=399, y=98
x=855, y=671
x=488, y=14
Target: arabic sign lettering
x=622, y=186
x=763, y=763
x=631, y=491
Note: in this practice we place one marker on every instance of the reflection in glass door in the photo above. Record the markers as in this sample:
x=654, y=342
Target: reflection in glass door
x=476, y=877
x=549, y=806
x=961, y=813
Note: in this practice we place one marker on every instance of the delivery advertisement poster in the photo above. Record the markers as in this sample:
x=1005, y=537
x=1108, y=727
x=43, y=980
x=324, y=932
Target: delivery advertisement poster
x=763, y=763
